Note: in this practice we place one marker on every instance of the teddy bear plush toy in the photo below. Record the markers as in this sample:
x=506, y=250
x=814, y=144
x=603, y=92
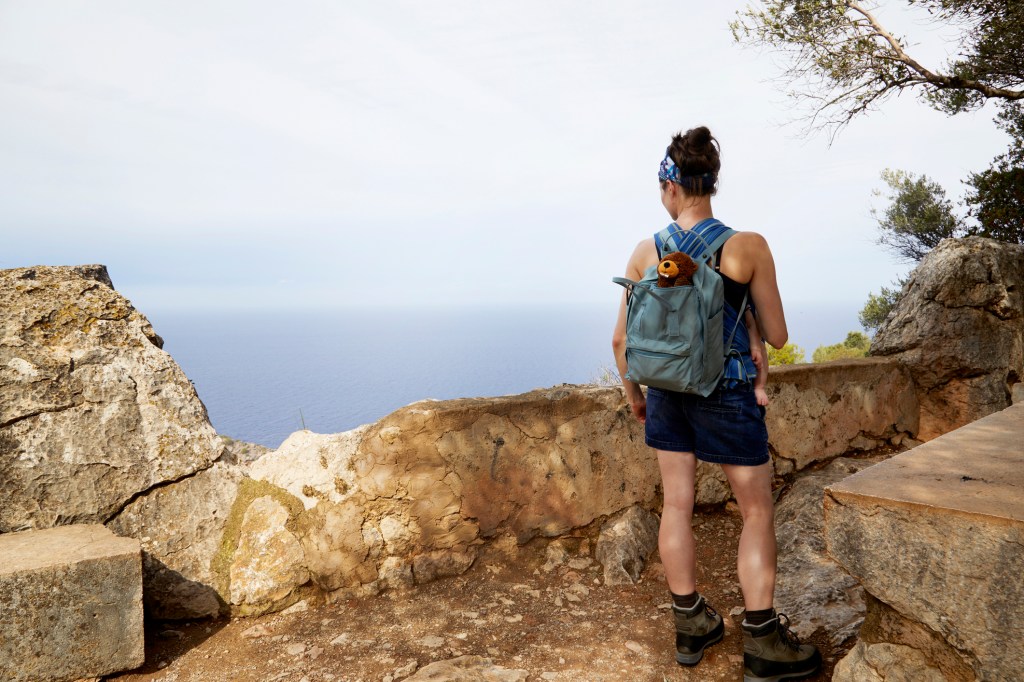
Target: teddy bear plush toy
x=676, y=269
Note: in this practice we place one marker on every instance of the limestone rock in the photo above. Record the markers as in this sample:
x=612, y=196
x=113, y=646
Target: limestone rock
x=885, y=663
x=467, y=669
x=340, y=548
x=811, y=588
x=94, y=412
x=181, y=527
x=241, y=452
x=438, y=564
x=541, y=463
x=820, y=411
x=959, y=327
x=268, y=563
x=625, y=543
x=312, y=466
x=936, y=533
x=71, y=605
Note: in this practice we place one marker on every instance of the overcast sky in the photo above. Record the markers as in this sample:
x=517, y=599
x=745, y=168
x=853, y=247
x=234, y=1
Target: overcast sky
x=227, y=154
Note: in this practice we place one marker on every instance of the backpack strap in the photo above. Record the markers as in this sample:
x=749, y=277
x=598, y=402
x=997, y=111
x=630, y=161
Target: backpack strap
x=699, y=242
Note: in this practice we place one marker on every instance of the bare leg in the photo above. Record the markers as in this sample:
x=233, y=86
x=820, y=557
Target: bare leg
x=675, y=537
x=756, y=561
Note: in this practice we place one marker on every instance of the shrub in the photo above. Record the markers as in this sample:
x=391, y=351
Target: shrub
x=856, y=345
x=790, y=354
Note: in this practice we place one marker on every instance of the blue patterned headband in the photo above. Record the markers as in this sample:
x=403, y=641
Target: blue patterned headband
x=693, y=183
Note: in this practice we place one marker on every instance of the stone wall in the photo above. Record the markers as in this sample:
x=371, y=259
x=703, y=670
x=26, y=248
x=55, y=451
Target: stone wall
x=936, y=537
x=413, y=496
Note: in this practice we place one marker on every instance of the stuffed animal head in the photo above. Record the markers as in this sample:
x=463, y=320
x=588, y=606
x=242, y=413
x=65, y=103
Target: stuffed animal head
x=676, y=269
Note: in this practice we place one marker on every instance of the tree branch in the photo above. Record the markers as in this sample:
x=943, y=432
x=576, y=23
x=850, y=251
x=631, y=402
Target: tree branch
x=936, y=79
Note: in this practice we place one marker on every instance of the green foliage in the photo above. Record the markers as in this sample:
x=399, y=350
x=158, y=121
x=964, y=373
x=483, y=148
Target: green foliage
x=989, y=53
x=918, y=217
x=790, y=354
x=878, y=307
x=997, y=200
x=856, y=345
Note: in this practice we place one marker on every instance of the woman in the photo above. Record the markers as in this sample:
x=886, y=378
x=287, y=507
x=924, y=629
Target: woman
x=726, y=428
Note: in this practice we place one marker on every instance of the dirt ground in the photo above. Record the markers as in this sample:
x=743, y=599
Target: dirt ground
x=560, y=624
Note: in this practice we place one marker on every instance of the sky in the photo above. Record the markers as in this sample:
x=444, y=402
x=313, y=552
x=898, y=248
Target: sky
x=261, y=155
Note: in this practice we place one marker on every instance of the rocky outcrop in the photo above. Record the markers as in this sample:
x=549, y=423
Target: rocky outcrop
x=71, y=604
x=93, y=411
x=959, y=328
x=811, y=587
x=936, y=536
x=181, y=528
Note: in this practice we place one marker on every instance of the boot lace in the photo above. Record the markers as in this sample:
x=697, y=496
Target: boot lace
x=786, y=635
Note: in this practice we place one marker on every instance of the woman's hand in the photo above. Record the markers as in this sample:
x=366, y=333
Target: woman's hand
x=639, y=407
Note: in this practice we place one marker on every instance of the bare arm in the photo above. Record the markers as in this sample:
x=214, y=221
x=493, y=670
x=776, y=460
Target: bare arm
x=764, y=290
x=634, y=271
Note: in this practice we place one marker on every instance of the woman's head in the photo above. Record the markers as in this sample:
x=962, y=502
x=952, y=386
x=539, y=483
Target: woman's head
x=692, y=162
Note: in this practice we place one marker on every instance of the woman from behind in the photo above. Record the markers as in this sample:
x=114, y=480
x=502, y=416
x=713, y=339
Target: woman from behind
x=726, y=428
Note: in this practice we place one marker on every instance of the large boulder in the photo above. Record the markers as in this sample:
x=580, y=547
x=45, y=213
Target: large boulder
x=959, y=327
x=811, y=587
x=93, y=411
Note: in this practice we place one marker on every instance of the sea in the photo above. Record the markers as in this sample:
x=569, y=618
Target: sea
x=265, y=375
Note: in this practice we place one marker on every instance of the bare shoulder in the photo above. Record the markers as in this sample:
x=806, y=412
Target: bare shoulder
x=644, y=256
x=752, y=241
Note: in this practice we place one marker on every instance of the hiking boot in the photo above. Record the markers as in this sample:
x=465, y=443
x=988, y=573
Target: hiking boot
x=696, y=629
x=772, y=652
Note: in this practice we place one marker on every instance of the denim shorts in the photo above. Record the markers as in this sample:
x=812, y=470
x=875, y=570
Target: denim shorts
x=727, y=427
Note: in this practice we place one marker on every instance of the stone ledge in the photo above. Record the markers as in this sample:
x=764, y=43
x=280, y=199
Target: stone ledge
x=71, y=605
x=976, y=470
x=937, y=534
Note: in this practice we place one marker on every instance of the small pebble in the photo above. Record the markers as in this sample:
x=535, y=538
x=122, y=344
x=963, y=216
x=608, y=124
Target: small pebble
x=635, y=647
x=295, y=649
x=736, y=611
x=432, y=642
x=297, y=607
x=406, y=670
x=514, y=619
x=255, y=631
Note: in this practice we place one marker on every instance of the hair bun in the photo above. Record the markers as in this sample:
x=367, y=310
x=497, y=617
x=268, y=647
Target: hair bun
x=698, y=137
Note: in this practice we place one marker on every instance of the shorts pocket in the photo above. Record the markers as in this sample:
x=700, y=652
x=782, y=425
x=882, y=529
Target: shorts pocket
x=718, y=407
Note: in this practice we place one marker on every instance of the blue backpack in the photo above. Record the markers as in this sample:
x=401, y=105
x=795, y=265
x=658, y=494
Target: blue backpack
x=674, y=334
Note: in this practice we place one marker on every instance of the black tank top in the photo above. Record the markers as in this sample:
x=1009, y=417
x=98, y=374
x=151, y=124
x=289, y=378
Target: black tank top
x=734, y=291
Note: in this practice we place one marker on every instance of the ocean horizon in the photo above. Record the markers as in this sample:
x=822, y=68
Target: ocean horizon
x=265, y=375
